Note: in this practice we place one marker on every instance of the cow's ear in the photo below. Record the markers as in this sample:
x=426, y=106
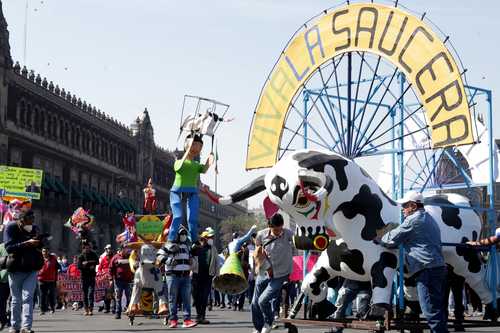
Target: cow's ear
x=316, y=160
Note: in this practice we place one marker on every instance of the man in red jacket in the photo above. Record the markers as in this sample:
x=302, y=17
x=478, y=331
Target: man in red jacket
x=47, y=277
x=122, y=277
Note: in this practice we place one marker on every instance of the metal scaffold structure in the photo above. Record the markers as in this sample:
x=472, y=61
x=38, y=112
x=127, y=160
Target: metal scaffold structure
x=361, y=104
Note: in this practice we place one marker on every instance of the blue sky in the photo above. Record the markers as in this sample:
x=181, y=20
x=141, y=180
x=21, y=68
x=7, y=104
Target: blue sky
x=122, y=56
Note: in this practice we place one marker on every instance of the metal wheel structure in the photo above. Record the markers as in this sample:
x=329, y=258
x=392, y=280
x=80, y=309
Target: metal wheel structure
x=360, y=105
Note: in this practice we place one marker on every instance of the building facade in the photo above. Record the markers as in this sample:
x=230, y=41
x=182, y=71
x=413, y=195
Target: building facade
x=89, y=159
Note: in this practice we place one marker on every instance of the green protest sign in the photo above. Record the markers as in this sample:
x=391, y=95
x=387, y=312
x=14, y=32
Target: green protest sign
x=21, y=182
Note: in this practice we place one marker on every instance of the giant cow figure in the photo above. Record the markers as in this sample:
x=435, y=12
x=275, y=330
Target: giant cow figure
x=327, y=194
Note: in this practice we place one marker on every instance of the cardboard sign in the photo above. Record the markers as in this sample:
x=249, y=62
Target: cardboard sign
x=72, y=287
x=149, y=227
x=21, y=182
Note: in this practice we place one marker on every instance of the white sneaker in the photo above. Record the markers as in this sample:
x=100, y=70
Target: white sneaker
x=266, y=329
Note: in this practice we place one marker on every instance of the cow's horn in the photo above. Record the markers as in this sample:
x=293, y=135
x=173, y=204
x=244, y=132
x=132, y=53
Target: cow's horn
x=321, y=192
x=325, y=190
x=249, y=190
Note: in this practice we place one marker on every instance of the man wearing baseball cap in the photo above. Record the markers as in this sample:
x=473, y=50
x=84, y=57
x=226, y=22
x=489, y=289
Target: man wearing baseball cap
x=420, y=237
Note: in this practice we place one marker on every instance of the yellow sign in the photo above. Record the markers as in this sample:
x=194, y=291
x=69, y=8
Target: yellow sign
x=149, y=227
x=403, y=39
x=21, y=182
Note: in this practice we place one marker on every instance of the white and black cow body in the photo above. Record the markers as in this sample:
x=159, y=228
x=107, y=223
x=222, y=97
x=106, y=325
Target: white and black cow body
x=346, y=202
x=354, y=208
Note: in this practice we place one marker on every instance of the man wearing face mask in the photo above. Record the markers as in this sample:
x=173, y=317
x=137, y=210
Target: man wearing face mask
x=208, y=267
x=20, y=241
x=176, y=256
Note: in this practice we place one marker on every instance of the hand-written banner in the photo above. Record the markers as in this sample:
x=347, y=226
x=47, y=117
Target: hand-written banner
x=72, y=287
x=401, y=38
x=21, y=182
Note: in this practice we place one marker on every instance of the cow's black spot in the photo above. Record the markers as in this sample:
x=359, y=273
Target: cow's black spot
x=335, y=283
x=321, y=276
x=279, y=186
x=295, y=194
x=341, y=253
x=448, y=214
x=387, y=259
x=367, y=204
x=317, y=161
x=470, y=255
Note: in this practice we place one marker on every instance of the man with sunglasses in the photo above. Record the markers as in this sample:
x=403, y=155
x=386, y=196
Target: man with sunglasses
x=420, y=237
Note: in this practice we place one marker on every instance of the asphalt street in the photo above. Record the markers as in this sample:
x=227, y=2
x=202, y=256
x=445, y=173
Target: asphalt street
x=221, y=321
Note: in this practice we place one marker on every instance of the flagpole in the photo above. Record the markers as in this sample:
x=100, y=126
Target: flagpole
x=216, y=183
x=216, y=166
x=25, y=32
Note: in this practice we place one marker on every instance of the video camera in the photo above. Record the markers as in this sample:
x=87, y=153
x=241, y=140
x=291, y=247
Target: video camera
x=44, y=239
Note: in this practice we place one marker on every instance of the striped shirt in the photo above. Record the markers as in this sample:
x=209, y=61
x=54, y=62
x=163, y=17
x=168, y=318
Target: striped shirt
x=175, y=260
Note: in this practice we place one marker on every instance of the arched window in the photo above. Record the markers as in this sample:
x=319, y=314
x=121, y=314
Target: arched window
x=36, y=120
x=67, y=133
x=45, y=123
x=78, y=139
x=26, y=115
x=55, y=126
x=49, y=124
x=29, y=116
x=62, y=129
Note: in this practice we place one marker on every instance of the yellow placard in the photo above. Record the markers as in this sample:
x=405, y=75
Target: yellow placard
x=403, y=39
x=149, y=227
x=21, y=182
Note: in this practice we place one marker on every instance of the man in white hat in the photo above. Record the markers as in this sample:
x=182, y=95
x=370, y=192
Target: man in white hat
x=420, y=237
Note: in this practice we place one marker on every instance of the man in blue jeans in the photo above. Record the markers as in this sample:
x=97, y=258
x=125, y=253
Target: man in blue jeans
x=176, y=256
x=274, y=265
x=20, y=240
x=420, y=237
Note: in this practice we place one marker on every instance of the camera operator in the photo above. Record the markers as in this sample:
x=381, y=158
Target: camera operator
x=25, y=259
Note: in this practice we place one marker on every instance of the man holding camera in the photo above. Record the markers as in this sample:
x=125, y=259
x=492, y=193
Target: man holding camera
x=25, y=259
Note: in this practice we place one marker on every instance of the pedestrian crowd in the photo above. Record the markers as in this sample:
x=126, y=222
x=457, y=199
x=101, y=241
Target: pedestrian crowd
x=29, y=276
x=32, y=273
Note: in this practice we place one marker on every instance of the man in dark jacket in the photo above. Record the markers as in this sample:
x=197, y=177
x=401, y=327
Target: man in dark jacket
x=87, y=261
x=122, y=276
x=207, y=259
x=20, y=241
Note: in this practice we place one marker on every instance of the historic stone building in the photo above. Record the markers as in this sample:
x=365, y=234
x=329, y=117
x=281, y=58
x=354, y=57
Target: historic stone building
x=89, y=158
